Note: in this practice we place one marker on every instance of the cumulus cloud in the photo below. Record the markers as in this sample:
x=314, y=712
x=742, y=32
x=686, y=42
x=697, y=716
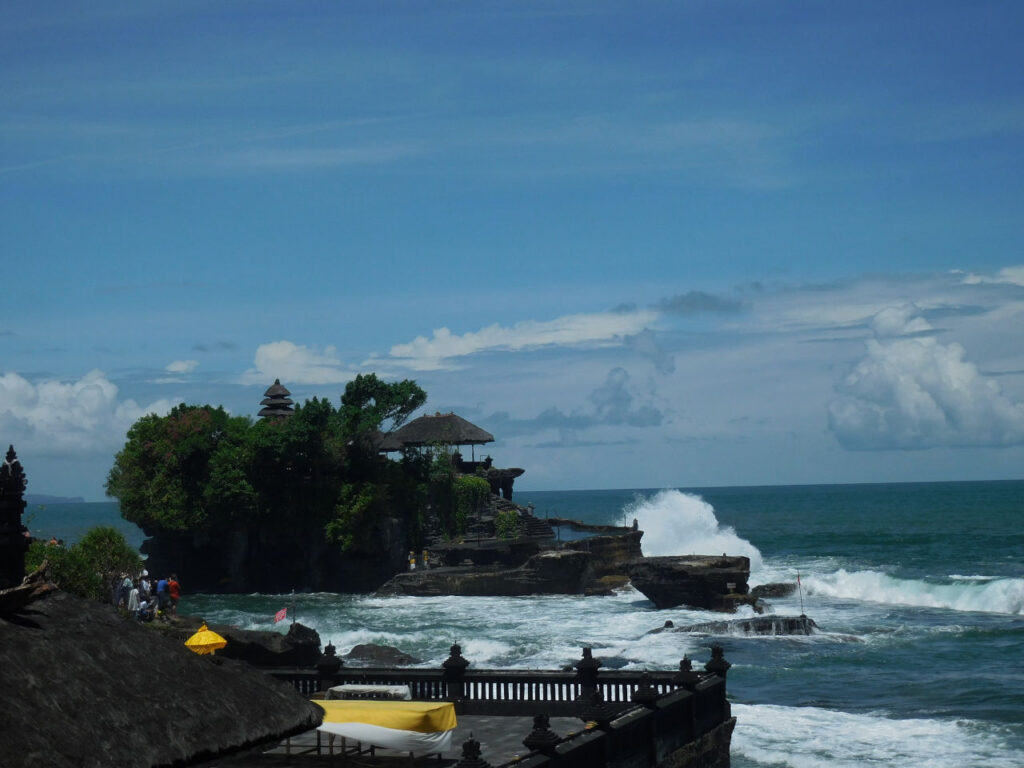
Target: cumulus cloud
x=585, y=330
x=182, y=366
x=903, y=320
x=57, y=418
x=912, y=392
x=296, y=364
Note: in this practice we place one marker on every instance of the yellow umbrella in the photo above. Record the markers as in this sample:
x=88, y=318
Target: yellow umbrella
x=205, y=641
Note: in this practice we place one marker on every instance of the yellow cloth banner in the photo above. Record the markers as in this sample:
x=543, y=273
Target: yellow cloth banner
x=419, y=716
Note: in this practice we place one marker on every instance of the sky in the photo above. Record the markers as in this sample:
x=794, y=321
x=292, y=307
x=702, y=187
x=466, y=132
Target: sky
x=646, y=245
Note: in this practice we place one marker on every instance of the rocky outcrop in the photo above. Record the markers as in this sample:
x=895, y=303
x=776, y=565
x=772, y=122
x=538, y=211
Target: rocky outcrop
x=760, y=625
x=372, y=655
x=774, y=589
x=563, y=572
x=700, y=581
x=84, y=687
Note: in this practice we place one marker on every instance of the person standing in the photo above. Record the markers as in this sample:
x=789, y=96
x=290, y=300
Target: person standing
x=133, y=602
x=163, y=599
x=174, y=590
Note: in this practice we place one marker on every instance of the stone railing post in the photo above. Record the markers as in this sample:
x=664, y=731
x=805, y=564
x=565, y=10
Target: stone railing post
x=686, y=678
x=455, y=673
x=586, y=674
x=327, y=667
x=717, y=665
x=542, y=739
x=13, y=539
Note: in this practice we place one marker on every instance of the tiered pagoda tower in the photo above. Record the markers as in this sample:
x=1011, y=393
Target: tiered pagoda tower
x=276, y=402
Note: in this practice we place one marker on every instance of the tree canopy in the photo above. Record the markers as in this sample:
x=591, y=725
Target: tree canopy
x=200, y=469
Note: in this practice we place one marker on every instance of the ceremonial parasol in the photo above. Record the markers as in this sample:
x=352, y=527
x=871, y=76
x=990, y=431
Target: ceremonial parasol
x=205, y=641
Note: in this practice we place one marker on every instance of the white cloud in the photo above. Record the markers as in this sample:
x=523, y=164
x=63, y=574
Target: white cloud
x=916, y=393
x=296, y=364
x=182, y=366
x=899, y=321
x=81, y=417
x=587, y=330
x=1008, y=276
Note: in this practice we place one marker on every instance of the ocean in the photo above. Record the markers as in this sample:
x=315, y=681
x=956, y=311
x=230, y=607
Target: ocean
x=917, y=588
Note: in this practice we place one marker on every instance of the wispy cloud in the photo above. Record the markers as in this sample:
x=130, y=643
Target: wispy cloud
x=182, y=366
x=443, y=348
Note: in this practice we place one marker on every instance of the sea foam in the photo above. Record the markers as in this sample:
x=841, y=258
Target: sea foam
x=677, y=523
x=811, y=737
x=996, y=596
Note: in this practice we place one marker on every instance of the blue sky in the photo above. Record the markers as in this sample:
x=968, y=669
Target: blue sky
x=647, y=245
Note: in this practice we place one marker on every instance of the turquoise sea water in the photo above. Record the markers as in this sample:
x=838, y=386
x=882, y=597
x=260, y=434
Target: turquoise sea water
x=918, y=590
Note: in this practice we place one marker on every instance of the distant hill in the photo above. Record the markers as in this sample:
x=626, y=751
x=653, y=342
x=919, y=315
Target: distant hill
x=42, y=498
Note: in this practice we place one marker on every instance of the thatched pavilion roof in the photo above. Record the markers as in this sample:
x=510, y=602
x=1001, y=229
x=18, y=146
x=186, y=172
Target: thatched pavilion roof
x=83, y=687
x=439, y=429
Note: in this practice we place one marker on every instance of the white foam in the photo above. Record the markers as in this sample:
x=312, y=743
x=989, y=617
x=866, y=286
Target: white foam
x=677, y=523
x=810, y=737
x=996, y=596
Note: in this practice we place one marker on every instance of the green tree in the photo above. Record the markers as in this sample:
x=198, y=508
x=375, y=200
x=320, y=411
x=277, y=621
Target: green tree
x=370, y=403
x=87, y=567
x=175, y=471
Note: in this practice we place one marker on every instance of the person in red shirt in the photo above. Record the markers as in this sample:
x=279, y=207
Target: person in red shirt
x=174, y=588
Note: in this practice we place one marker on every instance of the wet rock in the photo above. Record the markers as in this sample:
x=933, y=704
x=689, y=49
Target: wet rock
x=761, y=625
x=774, y=589
x=699, y=581
x=373, y=655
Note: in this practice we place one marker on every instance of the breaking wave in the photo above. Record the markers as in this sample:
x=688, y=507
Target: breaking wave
x=994, y=596
x=677, y=523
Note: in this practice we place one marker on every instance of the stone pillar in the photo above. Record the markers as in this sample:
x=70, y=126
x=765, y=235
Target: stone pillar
x=455, y=672
x=13, y=541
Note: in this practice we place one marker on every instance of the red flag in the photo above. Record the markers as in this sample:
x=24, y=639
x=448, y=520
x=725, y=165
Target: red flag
x=281, y=615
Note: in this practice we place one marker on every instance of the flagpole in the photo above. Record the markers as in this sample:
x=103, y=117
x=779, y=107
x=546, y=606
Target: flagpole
x=800, y=589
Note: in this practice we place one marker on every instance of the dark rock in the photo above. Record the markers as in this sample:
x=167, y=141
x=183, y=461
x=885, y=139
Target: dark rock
x=563, y=572
x=260, y=648
x=700, y=581
x=84, y=687
x=773, y=590
x=372, y=655
x=761, y=625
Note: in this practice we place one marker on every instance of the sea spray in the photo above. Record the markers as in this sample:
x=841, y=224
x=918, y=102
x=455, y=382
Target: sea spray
x=677, y=523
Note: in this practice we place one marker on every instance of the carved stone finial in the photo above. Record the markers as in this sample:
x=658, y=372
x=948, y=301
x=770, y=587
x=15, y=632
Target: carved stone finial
x=542, y=738
x=718, y=665
x=595, y=710
x=645, y=693
x=686, y=677
x=471, y=755
x=455, y=661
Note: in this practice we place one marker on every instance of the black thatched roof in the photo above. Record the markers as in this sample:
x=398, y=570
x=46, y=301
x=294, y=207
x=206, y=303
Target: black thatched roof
x=439, y=429
x=277, y=401
x=80, y=686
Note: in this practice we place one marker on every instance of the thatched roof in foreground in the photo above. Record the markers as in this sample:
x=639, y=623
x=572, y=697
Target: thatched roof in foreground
x=80, y=686
x=439, y=429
